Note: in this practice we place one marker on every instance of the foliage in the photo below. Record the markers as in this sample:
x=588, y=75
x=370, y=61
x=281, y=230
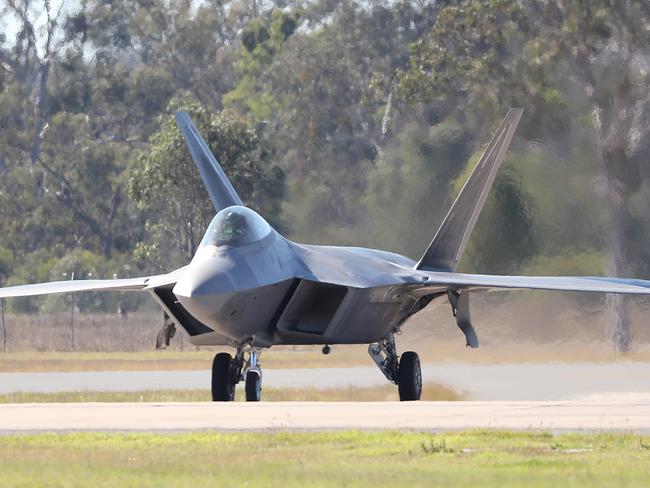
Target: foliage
x=556, y=58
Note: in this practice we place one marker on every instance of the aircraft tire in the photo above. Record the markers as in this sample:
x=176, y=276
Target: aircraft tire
x=253, y=386
x=409, y=377
x=223, y=389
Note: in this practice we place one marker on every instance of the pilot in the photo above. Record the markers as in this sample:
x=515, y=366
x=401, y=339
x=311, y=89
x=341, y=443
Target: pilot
x=234, y=229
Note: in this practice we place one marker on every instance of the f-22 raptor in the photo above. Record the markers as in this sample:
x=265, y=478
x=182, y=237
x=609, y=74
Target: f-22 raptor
x=250, y=288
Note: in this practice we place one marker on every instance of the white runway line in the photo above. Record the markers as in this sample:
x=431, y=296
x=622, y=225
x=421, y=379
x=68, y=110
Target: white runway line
x=619, y=415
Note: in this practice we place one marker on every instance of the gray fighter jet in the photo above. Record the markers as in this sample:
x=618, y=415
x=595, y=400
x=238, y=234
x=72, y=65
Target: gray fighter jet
x=250, y=288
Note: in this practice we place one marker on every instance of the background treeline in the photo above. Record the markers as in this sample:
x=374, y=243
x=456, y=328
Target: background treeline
x=343, y=122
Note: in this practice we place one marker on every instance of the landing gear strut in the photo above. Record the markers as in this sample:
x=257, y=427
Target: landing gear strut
x=404, y=371
x=253, y=385
x=227, y=371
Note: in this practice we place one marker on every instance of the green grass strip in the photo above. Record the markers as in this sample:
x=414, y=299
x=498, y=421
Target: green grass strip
x=348, y=458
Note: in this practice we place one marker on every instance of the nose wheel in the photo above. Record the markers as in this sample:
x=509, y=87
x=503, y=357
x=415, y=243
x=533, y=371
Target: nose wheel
x=227, y=371
x=253, y=386
x=402, y=370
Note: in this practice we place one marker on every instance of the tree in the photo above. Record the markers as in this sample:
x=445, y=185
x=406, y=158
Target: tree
x=167, y=186
x=320, y=78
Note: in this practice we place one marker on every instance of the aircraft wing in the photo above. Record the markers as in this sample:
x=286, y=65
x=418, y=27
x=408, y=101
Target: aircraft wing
x=458, y=287
x=127, y=284
x=458, y=281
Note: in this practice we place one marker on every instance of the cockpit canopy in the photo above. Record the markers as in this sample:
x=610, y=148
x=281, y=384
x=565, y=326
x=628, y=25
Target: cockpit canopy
x=235, y=226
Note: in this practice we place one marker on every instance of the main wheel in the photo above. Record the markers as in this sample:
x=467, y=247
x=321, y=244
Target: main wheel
x=253, y=386
x=223, y=388
x=409, y=377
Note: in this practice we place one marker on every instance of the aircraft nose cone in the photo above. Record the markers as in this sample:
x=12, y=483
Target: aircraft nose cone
x=200, y=282
x=202, y=291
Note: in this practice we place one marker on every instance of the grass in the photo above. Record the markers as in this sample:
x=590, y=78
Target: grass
x=387, y=392
x=347, y=458
x=282, y=357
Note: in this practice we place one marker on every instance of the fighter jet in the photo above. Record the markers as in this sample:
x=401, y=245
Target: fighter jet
x=250, y=288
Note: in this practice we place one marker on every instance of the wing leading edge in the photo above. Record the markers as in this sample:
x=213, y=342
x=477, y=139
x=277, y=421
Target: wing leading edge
x=563, y=283
x=127, y=284
x=459, y=285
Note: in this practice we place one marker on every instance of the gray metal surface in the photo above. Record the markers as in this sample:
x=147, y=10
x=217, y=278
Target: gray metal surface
x=222, y=194
x=450, y=241
x=126, y=284
x=73, y=286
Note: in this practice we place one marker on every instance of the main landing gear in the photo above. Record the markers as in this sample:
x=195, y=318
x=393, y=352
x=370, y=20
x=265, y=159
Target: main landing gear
x=227, y=371
x=404, y=370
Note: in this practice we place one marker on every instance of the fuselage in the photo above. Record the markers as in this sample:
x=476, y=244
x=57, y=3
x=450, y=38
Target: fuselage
x=272, y=291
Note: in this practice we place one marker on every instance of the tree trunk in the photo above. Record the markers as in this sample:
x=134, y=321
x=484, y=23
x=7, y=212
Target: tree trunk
x=107, y=236
x=40, y=113
x=612, y=126
x=2, y=324
x=619, y=325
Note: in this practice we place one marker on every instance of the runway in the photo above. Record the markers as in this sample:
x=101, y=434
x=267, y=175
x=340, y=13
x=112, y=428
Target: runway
x=516, y=381
x=625, y=414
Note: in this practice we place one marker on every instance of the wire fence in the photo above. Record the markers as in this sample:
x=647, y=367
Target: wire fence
x=68, y=331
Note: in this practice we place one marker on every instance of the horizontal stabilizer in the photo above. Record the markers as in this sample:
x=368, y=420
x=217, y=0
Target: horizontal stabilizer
x=222, y=194
x=450, y=240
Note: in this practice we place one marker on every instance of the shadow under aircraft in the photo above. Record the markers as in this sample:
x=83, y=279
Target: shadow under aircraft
x=250, y=288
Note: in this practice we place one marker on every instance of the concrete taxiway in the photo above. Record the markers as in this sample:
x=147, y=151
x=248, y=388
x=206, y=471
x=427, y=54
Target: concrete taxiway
x=516, y=381
x=628, y=414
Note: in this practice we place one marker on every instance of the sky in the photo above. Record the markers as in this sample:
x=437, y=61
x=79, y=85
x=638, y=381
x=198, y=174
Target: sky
x=9, y=23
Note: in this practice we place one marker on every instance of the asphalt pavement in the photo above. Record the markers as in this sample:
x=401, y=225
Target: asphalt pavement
x=611, y=415
x=515, y=381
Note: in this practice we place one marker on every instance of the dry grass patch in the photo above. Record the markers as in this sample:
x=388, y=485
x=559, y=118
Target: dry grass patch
x=431, y=391
x=311, y=357
x=280, y=357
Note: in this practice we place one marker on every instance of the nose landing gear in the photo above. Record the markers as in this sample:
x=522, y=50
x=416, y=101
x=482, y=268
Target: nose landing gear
x=404, y=371
x=253, y=385
x=227, y=371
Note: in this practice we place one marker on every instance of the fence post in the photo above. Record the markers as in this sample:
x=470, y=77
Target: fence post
x=72, y=341
x=2, y=322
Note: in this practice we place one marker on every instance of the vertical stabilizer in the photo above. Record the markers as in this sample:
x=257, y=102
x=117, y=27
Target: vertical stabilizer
x=450, y=240
x=222, y=194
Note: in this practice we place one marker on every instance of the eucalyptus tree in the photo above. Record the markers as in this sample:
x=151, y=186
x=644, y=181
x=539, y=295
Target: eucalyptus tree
x=581, y=69
x=167, y=187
